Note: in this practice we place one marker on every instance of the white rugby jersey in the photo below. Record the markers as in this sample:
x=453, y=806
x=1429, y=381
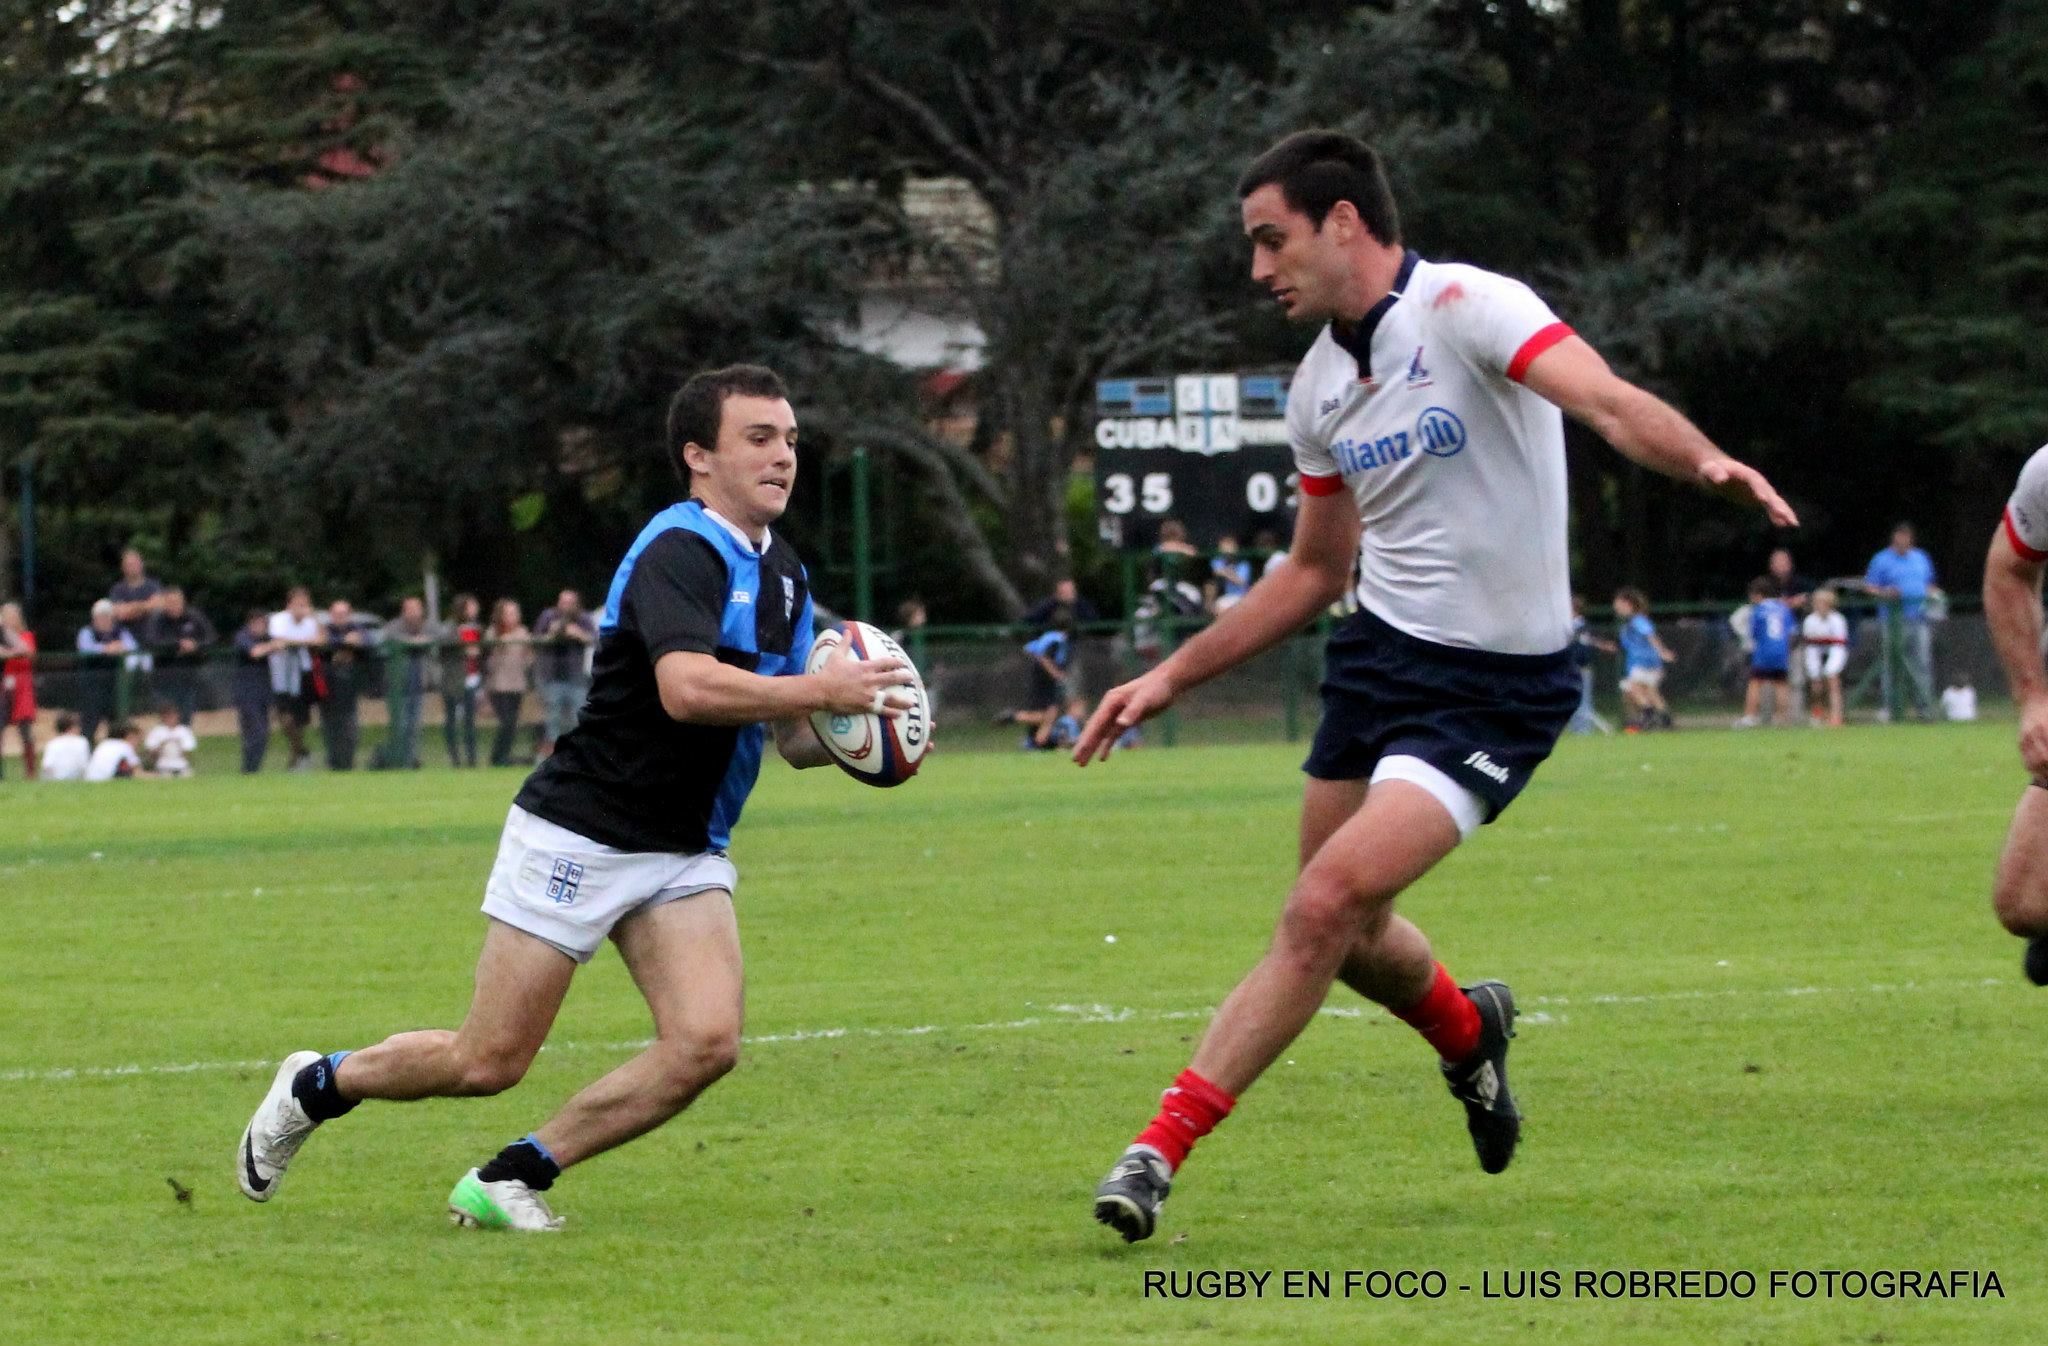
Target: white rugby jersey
x=2026, y=514
x=1458, y=469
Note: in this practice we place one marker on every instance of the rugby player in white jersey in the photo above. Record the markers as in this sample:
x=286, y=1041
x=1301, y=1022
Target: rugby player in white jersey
x=1426, y=418
x=2012, y=607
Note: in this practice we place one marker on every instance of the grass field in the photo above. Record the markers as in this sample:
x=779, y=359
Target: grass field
x=1769, y=1024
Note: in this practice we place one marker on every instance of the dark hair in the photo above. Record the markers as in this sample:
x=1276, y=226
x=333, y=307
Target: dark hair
x=1314, y=170
x=1762, y=587
x=67, y=722
x=1634, y=597
x=695, y=412
x=253, y=615
x=1904, y=526
x=121, y=729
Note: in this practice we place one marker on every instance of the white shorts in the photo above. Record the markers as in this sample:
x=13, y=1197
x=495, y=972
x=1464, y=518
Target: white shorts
x=1826, y=661
x=1651, y=678
x=1467, y=809
x=562, y=887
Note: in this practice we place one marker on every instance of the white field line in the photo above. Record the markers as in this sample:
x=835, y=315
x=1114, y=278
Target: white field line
x=1541, y=1010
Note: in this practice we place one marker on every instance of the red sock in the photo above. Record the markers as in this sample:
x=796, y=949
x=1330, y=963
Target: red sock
x=1446, y=1018
x=1187, y=1112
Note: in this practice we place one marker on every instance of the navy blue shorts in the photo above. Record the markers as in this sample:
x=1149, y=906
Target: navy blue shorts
x=1485, y=720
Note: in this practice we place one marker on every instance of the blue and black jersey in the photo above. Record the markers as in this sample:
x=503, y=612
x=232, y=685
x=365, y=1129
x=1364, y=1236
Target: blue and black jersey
x=629, y=776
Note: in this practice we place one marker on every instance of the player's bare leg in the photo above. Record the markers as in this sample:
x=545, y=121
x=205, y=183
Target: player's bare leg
x=520, y=982
x=685, y=958
x=2020, y=893
x=1363, y=847
x=1340, y=910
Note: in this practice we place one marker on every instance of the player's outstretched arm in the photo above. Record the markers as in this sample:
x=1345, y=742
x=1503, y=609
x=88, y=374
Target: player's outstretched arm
x=2012, y=608
x=1285, y=599
x=697, y=689
x=1646, y=429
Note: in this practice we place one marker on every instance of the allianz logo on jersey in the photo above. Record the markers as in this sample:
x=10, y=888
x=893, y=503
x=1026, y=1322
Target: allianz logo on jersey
x=1363, y=455
x=1438, y=433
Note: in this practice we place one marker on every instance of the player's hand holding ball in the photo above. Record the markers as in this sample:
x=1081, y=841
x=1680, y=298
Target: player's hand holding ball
x=877, y=720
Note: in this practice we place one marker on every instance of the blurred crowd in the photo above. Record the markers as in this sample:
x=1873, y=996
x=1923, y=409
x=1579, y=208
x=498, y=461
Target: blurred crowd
x=293, y=670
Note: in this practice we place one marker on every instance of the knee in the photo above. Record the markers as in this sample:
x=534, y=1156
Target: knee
x=2019, y=906
x=1325, y=914
x=487, y=1073
x=699, y=1058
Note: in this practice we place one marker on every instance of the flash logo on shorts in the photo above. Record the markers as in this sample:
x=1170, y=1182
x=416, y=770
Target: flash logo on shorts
x=562, y=886
x=1486, y=766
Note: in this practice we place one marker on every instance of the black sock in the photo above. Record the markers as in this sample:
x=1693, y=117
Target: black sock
x=525, y=1159
x=2037, y=960
x=315, y=1089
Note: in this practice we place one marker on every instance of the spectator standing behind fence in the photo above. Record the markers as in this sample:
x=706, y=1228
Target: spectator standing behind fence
x=65, y=757
x=563, y=636
x=1901, y=578
x=102, y=644
x=251, y=687
x=1643, y=658
x=178, y=636
x=170, y=744
x=508, y=658
x=294, y=636
x=345, y=664
x=18, y=686
x=1065, y=607
x=409, y=643
x=1770, y=654
x=136, y=596
x=1826, y=635
x=1787, y=583
x=462, y=679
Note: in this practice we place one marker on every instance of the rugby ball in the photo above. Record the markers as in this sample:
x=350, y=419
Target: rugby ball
x=872, y=749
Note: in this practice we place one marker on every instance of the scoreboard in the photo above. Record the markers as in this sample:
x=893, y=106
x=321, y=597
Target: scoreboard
x=1207, y=449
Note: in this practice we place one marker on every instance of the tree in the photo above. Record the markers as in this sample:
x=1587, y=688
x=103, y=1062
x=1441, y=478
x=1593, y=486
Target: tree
x=1101, y=236
x=496, y=317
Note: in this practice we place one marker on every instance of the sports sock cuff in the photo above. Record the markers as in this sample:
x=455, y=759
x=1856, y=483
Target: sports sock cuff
x=317, y=1092
x=1206, y=1094
x=1187, y=1112
x=527, y=1161
x=1445, y=1016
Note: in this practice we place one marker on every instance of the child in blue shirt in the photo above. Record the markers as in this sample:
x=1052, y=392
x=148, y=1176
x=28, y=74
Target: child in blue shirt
x=1643, y=657
x=1770, y=653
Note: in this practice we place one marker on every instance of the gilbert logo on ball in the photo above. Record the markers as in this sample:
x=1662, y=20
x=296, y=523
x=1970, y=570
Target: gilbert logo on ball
x=874, y=749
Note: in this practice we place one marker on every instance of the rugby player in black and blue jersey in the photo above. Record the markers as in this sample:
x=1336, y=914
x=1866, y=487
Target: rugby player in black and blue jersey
x=623, y=831
x=1426, y=424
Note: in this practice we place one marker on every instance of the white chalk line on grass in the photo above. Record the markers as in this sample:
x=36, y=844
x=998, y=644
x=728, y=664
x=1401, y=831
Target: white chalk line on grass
x=1539, y=1013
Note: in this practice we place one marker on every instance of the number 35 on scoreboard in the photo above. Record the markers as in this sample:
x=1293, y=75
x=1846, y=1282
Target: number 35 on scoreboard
x=1209, y=450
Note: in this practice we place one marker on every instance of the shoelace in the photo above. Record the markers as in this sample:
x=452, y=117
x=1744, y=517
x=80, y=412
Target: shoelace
x=1131, y=1167
x=521, y=1199
x=287, y=1134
